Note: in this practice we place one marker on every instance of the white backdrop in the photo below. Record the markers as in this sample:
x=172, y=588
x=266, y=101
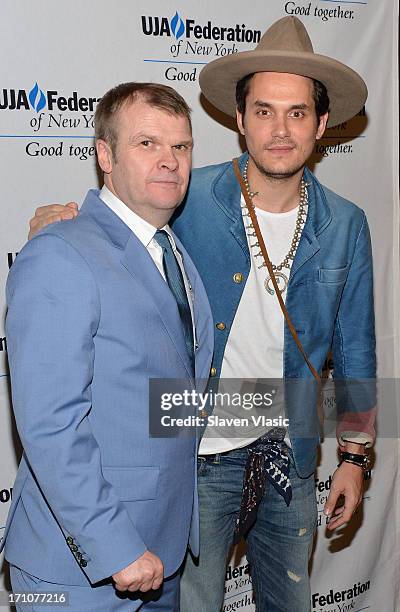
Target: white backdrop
x=58, y=58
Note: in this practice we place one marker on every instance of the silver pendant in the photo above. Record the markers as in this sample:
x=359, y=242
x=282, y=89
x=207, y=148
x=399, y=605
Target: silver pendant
x=281, y=279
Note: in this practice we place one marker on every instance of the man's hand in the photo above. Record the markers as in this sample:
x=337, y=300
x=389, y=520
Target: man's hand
x=144, y=574
x=347, y=481
x=50, y=214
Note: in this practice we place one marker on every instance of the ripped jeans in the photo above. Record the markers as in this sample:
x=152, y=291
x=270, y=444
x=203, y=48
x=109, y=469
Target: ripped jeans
x=278, y=545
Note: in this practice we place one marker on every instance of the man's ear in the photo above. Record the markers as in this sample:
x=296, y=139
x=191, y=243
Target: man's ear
x=321, y=126
x=239, y=120
x=104, y=156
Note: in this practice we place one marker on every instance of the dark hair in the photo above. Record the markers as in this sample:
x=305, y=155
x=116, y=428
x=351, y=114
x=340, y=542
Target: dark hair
x=320, y=95
x=321, y=98
x=242, y=89
x=155, y=94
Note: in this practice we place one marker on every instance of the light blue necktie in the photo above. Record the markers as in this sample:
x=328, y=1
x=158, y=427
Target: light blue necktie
x=175, y=282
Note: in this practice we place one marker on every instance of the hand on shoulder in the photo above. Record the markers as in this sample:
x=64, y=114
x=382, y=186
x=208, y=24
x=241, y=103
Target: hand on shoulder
x=44, y=215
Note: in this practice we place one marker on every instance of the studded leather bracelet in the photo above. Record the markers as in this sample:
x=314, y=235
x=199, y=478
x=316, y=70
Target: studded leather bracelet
x=363, y=461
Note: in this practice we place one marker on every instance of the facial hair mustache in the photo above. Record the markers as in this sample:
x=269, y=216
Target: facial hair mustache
x=280, y=143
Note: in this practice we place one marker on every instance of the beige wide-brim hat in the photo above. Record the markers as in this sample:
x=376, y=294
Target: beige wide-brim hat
x=285, y=47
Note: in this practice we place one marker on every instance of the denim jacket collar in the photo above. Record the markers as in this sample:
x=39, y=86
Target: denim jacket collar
x=226, y=192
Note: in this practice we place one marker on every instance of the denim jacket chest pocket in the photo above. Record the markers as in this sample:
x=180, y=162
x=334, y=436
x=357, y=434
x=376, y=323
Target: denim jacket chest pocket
x=324, y=276
x=336, y=276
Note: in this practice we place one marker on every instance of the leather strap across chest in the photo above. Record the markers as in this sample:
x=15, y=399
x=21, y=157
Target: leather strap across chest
x=268, y=263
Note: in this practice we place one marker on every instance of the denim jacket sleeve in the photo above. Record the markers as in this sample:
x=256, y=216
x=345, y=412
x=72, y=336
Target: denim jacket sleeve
x=353, y=348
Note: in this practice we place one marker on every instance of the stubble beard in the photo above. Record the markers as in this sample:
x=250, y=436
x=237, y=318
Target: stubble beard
x=274, y=175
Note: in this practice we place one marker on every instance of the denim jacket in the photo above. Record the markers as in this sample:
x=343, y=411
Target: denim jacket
x=329, y=295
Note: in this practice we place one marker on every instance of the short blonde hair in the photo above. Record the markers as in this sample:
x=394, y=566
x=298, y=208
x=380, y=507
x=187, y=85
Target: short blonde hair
x=155, y=94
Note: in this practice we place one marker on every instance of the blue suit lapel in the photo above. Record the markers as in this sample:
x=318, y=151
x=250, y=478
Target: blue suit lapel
x=202, y=316
x=138, y=262
x=140, y=265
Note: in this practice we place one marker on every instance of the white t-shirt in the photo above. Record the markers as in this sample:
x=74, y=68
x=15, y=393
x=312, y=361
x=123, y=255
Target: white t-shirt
x=254, y=349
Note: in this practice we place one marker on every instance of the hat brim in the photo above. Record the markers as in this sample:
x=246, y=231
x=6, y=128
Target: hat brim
x=346, y=89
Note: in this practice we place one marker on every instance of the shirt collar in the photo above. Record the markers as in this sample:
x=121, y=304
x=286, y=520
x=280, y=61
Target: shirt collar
x=142, y=229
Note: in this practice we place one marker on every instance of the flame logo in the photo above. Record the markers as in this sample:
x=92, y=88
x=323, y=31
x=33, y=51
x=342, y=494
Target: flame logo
x=177, y=26
x=37, y=104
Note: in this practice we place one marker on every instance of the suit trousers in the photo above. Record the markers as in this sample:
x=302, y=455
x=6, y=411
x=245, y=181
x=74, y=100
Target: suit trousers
x=100, y=598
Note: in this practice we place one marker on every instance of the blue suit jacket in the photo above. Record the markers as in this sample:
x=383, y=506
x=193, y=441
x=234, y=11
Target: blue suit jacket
x=90, y=320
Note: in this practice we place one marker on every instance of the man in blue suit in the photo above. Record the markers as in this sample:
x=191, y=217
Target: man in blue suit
x=96, y=307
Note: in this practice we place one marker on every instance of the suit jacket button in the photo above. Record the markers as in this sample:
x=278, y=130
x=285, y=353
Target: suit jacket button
x=238, y=277
x=220, y=326
x=70, y=540
x=73, y=547
x=83, y=563
x=213, y=371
